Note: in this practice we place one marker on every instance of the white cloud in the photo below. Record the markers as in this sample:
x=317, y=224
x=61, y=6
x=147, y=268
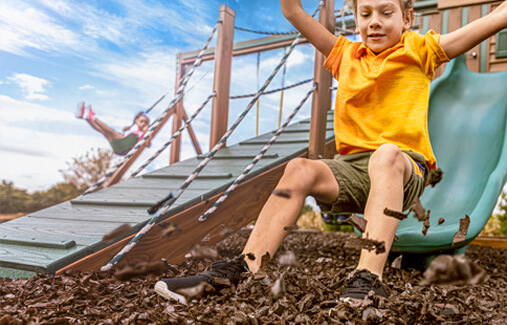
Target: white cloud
x=33, y=87
x=86, y=87
x=23, y=27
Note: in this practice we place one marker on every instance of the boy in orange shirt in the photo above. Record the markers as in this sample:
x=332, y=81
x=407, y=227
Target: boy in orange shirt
x=384, y=153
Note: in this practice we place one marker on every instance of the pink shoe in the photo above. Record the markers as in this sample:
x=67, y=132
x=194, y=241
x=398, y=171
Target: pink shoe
x=80, y=110
x=91, y=114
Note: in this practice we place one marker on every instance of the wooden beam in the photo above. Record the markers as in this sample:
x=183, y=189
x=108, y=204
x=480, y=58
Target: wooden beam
x=178, y=115
x=246, y=47
x=197, y=147
x=321, y=101
x=222, y=79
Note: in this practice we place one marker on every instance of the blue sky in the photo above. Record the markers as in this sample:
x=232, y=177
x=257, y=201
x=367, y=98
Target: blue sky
x=120, y=56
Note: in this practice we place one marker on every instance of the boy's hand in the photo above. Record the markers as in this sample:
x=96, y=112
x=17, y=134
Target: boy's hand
x=312, y=30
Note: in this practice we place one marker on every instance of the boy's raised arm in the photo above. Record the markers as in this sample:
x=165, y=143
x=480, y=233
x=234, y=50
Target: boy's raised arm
x=312, y=30
x=463, y=39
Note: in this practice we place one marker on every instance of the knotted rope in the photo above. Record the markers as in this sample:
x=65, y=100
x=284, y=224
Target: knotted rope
x=259, y=156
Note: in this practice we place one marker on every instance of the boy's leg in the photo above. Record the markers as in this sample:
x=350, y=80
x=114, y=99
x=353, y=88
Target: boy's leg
x=302, y=177
x=389, y=170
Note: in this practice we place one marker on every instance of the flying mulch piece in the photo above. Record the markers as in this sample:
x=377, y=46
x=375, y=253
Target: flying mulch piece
x=168, y=228
x=435, y=177
x=396, y=264
x=285, y=193
x=395, y=214
x=291, y=228
x=454, y=269
x=278, y=288
x=199, y=251
x=461, y=234
x=121, y=230
x=195, y=292
x=288, y=258
x=207, y=238
x=441, y=221
x=264, y=261
x=225, y=231
x=419, y=210
x=357, y=222
x=139, y=269
x=426, y=224
x=366, y=243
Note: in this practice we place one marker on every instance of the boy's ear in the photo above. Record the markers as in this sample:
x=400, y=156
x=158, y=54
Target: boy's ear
x=407, y=19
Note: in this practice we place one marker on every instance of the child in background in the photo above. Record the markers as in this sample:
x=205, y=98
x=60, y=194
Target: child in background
x=380, y=123
x=120, y=143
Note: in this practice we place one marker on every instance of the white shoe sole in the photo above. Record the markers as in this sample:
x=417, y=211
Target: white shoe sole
x=162, y=290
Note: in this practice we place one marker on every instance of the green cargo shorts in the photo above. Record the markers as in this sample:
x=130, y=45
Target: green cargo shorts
x=351, y=172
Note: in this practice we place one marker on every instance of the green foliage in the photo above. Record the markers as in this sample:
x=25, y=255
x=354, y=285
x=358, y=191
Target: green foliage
x=16, y=200
x=502, y=215
x=82, y=172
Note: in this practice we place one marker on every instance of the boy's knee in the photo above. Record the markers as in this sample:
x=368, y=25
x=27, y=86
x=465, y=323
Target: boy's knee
x=296, y=166
x=387, y=156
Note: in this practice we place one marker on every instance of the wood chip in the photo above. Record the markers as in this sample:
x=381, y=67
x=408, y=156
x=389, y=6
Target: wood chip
x=288, y=258
x=395, y=214
x=168, y=228
x=461, y=234
x=426, y=223
x=366, y=243
x=121, y=230
x=441, y=221
x=139, y=269
x=396, y=264
x=435, y=177
x=200, y=251
x=357, y=222
x=418, y=209
x=291, y=228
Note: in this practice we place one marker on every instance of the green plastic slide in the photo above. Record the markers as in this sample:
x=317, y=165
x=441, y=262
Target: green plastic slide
x=468, y=129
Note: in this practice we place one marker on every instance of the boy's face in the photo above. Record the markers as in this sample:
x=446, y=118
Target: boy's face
x=381, y=23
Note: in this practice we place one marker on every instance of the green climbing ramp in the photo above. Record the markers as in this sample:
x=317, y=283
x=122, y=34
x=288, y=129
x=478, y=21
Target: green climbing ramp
x=468, y=129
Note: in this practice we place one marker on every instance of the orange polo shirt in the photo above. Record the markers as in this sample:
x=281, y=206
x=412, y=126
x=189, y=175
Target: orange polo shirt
x=383, y=98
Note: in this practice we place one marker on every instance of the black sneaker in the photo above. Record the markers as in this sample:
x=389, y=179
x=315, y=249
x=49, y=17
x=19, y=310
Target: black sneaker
x=222, y=274
x=360, y=285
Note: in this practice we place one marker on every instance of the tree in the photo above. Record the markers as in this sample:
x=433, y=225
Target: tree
x=87, y=170
x=13, y=200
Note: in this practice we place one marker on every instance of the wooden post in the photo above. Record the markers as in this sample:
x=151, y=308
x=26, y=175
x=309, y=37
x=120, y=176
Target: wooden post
x=222, y=80
x=321, y=102
x=178, y=115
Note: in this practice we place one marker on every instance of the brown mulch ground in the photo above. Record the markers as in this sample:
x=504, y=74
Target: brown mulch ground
x=307, y=295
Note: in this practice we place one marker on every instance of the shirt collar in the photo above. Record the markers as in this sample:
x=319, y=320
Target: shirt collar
x=363, y=49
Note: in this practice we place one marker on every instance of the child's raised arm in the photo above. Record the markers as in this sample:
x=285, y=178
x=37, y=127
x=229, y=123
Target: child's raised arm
x=463, y=39
x=322, y=39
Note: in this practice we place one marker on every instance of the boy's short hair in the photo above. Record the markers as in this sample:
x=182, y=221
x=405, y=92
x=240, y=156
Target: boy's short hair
x=405, y=5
